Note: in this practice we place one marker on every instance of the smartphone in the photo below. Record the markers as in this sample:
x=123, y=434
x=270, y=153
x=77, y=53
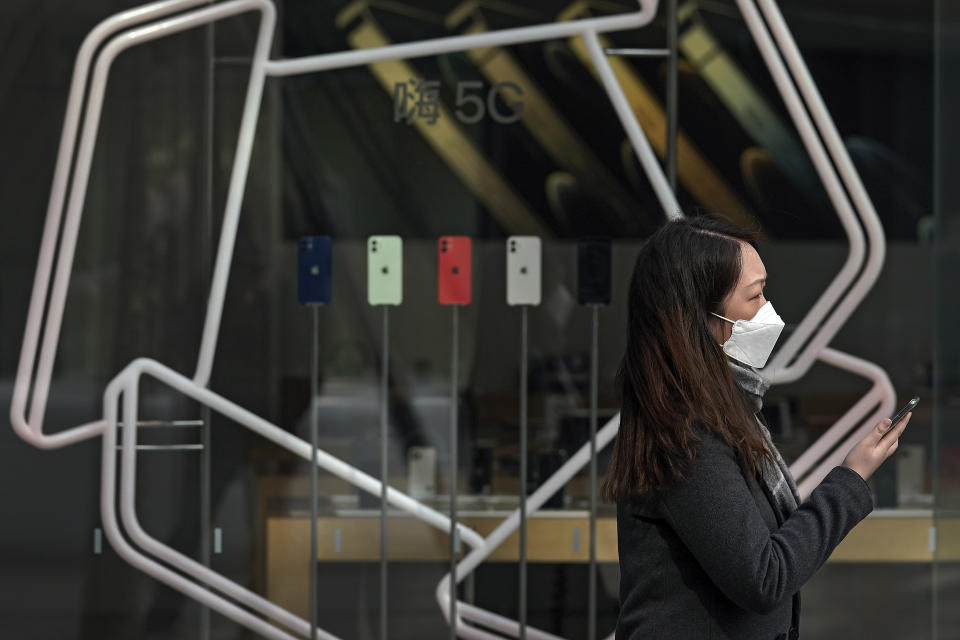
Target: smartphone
x=523, y=270
x=384, y=270
x=315, y=269
x=421, y=472
x=907, y=408
x=453, y=269
x=593, y=271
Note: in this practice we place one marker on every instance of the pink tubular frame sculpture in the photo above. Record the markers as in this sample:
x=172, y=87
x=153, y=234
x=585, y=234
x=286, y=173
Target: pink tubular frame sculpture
x=160, y=19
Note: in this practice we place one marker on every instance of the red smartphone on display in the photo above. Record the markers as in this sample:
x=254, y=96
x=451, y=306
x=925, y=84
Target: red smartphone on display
x=453, y=269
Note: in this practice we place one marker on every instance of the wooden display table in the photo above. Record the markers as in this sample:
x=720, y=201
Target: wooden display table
x=886, y=535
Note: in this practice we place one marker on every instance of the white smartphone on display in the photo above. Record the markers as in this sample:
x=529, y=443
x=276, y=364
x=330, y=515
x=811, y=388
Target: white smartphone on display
x=421, y=472
x=523, y=270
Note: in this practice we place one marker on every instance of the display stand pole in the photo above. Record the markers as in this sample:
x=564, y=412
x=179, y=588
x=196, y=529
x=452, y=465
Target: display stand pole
x=523, y=474
x=384, y=433
x=594, y=374
x=454, y=541
x=314, y=428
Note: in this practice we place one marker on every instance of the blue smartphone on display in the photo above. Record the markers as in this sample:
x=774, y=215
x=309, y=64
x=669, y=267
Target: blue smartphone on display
x=315, y=269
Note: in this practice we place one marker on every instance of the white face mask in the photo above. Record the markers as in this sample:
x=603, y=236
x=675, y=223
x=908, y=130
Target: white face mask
x=752, y=341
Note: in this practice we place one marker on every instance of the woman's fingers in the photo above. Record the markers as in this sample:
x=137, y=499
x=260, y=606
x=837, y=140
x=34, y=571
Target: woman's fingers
x=882, y=427
x=903, y=424
x=893, y=435
x=878, y=445
x=891, y=449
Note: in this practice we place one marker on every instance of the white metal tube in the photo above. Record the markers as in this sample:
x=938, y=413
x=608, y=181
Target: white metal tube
x=806, y=486
x=838, y=151
x=551, y=485
x=238, y=181
x=648, y=159
x=302, y=448
x=451, y=44
x=877, y=392
x=887, y=397
x=536, y=500
x=111, y=530
x=776, y=370
x=32, y=430
x=865, y=211
x=84, y=161
x=462, y=628
x=131, y=381
x=854, y=415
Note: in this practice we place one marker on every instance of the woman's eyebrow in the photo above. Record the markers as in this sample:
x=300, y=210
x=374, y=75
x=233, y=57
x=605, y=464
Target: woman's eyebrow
x=763, y=280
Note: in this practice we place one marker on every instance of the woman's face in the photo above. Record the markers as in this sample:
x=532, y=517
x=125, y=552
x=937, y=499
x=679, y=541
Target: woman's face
x=747, y=297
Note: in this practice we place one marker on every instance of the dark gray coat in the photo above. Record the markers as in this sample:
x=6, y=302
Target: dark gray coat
x=709, y=557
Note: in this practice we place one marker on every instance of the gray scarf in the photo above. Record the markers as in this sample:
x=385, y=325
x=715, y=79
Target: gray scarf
x=779, y=480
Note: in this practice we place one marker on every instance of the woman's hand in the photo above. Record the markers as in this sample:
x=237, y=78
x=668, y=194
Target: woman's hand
x=879, y=445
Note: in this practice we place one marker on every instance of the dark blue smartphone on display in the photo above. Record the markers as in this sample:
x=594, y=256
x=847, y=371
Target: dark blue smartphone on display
x=315, y=269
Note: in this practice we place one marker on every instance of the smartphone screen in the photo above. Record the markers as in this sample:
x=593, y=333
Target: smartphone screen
x=315, y=269
x=453, y=270
x=593, y=271
x=384, y=270
x=523, y=270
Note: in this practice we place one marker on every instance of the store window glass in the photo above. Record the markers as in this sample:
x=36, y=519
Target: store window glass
x=484, y=144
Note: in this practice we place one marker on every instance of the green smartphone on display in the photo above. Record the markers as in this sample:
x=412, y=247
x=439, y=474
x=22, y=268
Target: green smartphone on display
x=384, y=270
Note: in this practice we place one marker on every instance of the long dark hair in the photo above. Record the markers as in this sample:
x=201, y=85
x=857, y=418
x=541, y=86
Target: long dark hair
x=673, y=374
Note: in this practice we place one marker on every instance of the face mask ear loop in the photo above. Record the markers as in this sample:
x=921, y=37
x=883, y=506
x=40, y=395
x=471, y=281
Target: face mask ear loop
x=727, y=319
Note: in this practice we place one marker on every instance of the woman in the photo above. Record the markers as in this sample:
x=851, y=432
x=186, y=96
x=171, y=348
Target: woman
x=712, y=541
